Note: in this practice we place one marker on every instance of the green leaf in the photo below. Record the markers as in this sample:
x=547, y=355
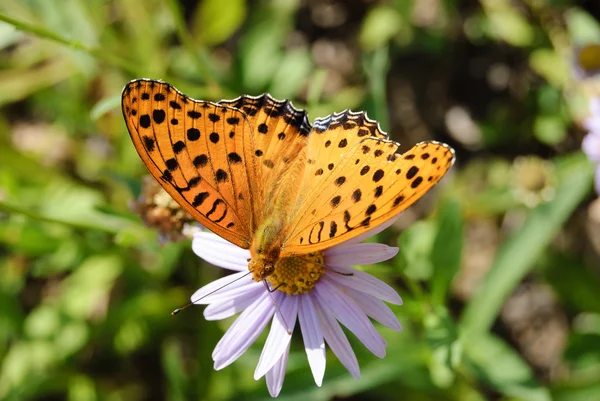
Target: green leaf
x=415, y=247
x=550, y=130
x=42, y=322
x=105, y=105
x=262, y=42
x=89, y=284
x=446, y=348
x=71, y=338
x=376, y=65
x=81, y=388
x=583, y=28
x=521, y=251
x=510, y=26
x=576, y=285
x=379, y=26
x=173, y=363
x=446, y=254
x=291, y=75
x=216, y=21
x=494, y=362
x=550, y=65
x=577, y=391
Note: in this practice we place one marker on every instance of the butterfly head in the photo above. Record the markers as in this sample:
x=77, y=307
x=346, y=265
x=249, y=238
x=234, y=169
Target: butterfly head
x=260, y=269
x=263, y=261
x=265, y=250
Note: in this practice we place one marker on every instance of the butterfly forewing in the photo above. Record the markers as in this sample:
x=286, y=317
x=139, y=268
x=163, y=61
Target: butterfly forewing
x=355, y=180
x=200, y=152
x=280, y=132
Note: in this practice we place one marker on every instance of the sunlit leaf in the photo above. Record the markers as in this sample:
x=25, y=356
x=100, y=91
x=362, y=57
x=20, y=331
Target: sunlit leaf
x=446, y=254
x=492, y=361
x=216, y=22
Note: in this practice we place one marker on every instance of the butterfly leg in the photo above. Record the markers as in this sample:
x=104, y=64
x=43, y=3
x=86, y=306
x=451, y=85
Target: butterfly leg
x=272, y=289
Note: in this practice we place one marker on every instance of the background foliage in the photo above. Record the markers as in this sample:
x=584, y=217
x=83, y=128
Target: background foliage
x=498, y=266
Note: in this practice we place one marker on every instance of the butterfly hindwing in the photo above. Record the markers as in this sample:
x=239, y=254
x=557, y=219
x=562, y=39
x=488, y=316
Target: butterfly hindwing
x=355, y=180
x=200, y=152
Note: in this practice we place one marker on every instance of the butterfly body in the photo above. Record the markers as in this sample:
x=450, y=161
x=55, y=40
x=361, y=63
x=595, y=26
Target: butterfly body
x=265, y=249
x=255, y=172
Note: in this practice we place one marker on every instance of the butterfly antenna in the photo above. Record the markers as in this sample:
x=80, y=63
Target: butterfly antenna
x=287, y=326
x=176, y=311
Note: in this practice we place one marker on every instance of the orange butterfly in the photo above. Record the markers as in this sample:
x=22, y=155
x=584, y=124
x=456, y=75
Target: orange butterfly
x=255, y=172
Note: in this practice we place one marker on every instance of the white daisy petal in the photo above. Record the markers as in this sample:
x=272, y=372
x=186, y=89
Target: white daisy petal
x=276, y=375
x=224, y=309
x=313, y=337
x=243, y=332
x=224, y=288
x=363, y=282
x=219, y=252
x=338, y=342
x=349, y=313
x=279, y=338
x=358, y=254
x=376, y=309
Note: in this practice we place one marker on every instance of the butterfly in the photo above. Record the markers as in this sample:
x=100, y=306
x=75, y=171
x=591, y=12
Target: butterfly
x=255, y=172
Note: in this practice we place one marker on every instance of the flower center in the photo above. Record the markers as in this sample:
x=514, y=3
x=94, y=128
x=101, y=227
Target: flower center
x=298, y=275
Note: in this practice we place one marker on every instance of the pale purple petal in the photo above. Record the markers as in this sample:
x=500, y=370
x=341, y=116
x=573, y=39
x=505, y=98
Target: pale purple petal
x=276, y=375
x=279, y=337
x=358, y=254
x=371, y=232
x=592, y=124
x=314, y=344
x=350, y=315
x=364, y=282
x=224, y=309
x=243, y=332
x=597, y=180
x=219, y=252
x=376, y=309
x=591, y=147
x=595, y=105
x=339, y=344
x=224, y=288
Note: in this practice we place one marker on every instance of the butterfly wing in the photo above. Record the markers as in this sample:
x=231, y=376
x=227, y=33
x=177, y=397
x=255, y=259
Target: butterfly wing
x=279, y=135
x=357, y=181
x=200, y=152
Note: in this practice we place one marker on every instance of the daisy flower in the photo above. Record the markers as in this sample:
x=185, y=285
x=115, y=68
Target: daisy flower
x=316, y=292
x=591, y=142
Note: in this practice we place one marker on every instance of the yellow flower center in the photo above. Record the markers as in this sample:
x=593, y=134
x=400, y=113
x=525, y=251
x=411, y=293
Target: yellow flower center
x=298, y=275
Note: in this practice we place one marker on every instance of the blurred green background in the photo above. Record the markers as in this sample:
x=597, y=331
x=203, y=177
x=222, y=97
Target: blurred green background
x=498, y=267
